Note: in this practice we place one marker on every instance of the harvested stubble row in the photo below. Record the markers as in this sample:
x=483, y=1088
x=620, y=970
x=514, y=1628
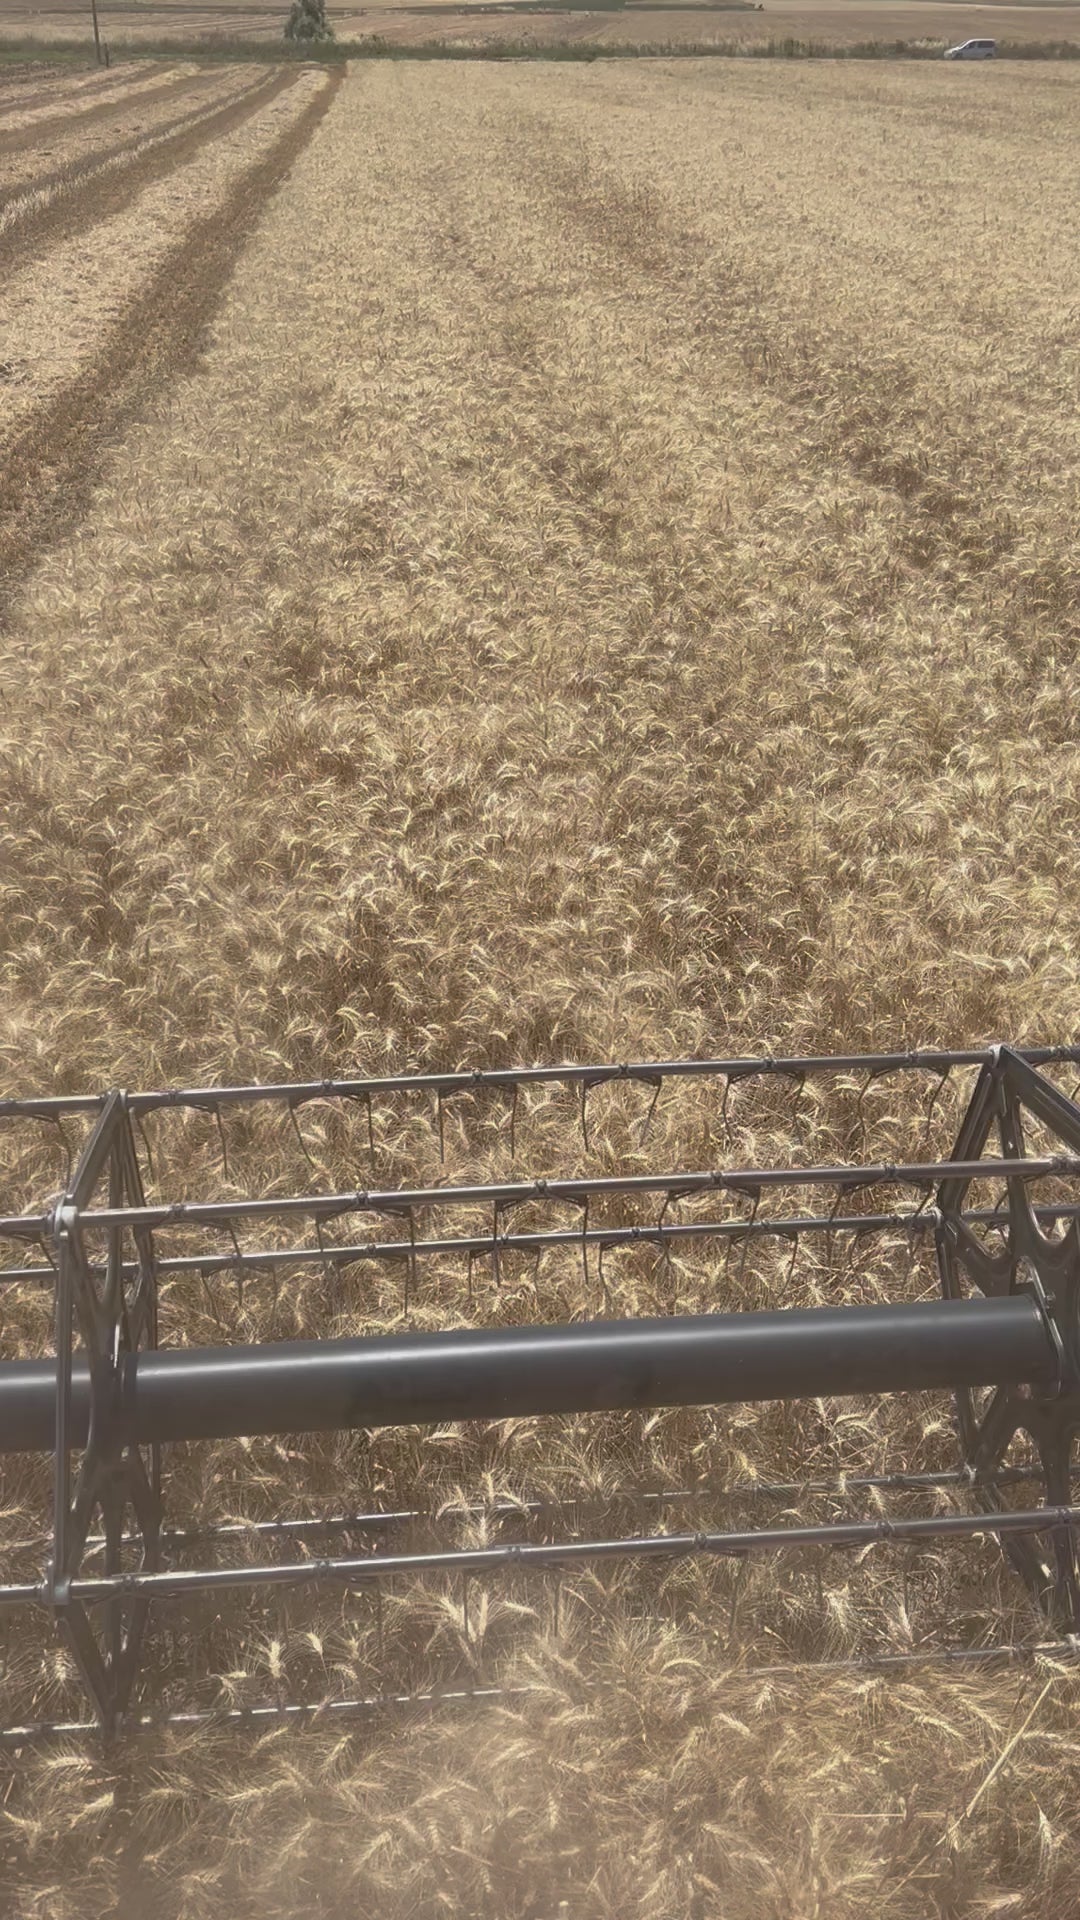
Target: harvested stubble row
x=39, y=85
x=55, y=312
x=52, y=119
x=97, y=190
x=577, y=609
x=52, y=169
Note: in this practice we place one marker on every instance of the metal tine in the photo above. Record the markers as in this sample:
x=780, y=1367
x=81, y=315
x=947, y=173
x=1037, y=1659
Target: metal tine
x=585, y=1115
x=441, y=1125
x=498, y=1208
x=871, y=1077
x=668, y=1198
x=145, y=1138
x=794, y=1238
x=833, y=1211
x=745, y=1245
x=798, y=1088
x=69, y=1156
x=220, y=1119
x=513, y=1122
x=928, y=1194
x=211, y=1302
x=601, y=1276
x=741, y=1566
x=231, y=1228
x=755, y=1194
x=291, y=1106
x=935, y=1096
x=328, y=1269
x=665, y=1256
x=657, y=1087
x=360, y=1100
x=673, y=1196
x=410, y=1268
x=625, y=1072
x=911, y=1229
x=760, y=1070
x=912, y=1237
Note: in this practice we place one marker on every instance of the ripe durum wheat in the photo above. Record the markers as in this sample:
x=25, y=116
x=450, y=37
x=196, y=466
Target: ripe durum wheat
x=609, y=590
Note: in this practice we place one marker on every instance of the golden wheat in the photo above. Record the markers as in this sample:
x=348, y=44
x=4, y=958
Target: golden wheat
x=610, y=591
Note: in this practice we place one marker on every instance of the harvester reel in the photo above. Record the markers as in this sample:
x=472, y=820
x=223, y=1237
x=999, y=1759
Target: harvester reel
x=110, y=1397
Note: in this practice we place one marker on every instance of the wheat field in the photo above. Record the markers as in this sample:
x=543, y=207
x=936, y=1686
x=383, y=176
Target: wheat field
x=509, y=565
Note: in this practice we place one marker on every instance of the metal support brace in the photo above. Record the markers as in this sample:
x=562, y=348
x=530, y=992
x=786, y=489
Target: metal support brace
x=1009, y=1089
x=110, y=1305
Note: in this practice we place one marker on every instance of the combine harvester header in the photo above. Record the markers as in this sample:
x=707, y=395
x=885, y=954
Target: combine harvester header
x=108, y=1398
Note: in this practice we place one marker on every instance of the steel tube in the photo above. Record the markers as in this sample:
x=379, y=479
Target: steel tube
x=917, y=1224
x=543, y=1556
x=496, y=1373
x=741, y=1183
x=358, y=1569
x=602, y=1073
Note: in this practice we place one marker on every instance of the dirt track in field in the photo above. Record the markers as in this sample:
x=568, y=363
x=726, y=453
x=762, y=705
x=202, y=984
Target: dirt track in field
x=98, y=198
x=37, y=132
x=36, y=169
x=50, y=469
x=17, y=82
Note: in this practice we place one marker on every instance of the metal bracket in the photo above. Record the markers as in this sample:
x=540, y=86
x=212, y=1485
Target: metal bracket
x=1007, y=1090
x=114, y=1314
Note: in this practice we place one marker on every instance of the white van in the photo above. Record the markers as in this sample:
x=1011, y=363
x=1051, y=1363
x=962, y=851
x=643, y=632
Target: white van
x=972, y=50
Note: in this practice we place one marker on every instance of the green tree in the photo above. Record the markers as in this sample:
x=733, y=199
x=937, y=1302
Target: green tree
x=307, y=21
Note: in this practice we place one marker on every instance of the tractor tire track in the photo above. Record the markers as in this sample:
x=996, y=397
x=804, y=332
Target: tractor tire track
x=854, y=414
x=99, y=156
x=70, y=88
x=51, y=469
x=105, y=190
x=18, y=138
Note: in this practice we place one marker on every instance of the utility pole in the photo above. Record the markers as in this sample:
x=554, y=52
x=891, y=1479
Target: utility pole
x=97, y=32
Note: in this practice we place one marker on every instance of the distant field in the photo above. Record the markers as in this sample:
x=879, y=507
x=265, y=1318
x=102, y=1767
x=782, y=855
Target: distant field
x=836, y=22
